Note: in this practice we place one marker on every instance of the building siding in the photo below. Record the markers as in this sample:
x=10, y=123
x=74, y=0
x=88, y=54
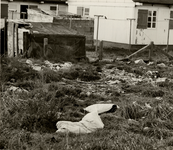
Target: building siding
x=116, y=28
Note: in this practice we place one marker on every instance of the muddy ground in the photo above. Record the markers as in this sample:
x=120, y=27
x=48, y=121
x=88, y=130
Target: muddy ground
x=33, y=99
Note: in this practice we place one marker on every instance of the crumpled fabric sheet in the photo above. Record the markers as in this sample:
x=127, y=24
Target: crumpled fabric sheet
x=101, y=108
x=89, y=123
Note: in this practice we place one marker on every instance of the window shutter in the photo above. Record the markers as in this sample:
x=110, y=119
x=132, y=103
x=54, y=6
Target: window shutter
x=4, y=10
x=80, y=11
x=142, y=19
x=171, y=21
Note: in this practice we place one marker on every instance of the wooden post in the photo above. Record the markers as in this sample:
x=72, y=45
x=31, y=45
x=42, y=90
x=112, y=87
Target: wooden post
x=17, y=39
x=151, y=50
x=130, y=35
x=23, y=15
x=45, y=46
x=5, y=35
x=13, y=26
x=70, y=22
x=98, y=16
x=167, y=48
x=101, y=50
x=25, y=43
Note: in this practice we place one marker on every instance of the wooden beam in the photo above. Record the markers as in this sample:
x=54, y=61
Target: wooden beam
x=140, y=50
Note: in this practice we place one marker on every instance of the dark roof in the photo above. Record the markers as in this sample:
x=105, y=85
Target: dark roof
x=166, y=2
x=51, y=28
x=45, y=1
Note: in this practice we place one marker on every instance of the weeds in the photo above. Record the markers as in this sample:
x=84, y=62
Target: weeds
x=28, y=120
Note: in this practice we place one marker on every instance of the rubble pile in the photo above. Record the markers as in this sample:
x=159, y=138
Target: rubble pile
x=48, y=64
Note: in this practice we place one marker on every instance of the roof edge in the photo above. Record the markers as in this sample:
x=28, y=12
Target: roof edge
x=165, y=2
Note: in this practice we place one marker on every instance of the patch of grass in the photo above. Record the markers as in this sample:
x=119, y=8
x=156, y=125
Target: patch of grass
x=153, y=93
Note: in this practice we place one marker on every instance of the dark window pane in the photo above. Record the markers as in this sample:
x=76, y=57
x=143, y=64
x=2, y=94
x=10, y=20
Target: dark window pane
x=52, y=7
x=149, y=25
x=87, y=10
x=149, y=18
x=154, y=13
x=154, y=19
x=154, y=25
x=23, y=12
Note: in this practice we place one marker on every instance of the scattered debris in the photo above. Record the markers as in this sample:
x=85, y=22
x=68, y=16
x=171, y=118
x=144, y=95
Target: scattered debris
x=16, y=89
x=52, y=66
x=161, y=65
x=150, y=63
x=161, y=80
x=140, y=62
x=133, y=122
x=89, y=123
x=148, y=106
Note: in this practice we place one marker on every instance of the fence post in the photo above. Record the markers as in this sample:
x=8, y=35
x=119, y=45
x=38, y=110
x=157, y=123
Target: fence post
x=45, y=46
x=101, y=50
x=25, y=34
x=98, y=16
x=130, y=34
x=151, y=50
x=5, y=35
x=70, y=22
x=13, y=26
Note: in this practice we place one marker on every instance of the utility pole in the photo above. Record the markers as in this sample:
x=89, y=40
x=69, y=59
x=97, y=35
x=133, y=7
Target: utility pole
x=98, y=16
x=131, y=19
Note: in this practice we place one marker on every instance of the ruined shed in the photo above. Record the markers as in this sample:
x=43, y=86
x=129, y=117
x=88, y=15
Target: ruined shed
x=55, y=42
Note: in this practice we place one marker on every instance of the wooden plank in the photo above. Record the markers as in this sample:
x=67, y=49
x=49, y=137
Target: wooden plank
x=140, y=50
x=45, y=46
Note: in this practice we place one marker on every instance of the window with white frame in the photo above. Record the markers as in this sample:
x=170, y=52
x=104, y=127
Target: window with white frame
x=152, y=19
x=83, y=11
x=86, y=11
x=146, y=19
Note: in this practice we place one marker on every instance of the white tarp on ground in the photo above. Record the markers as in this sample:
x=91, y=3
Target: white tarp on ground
x=89, y=123
x=100, y=108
